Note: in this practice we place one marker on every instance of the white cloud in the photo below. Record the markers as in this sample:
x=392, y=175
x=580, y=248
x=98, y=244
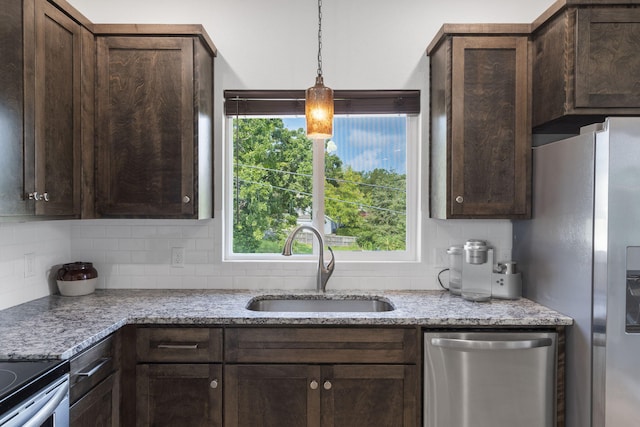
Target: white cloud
x=331, y=147
x=366, y=160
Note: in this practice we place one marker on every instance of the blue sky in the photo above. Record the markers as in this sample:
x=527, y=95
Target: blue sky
x=367, y=142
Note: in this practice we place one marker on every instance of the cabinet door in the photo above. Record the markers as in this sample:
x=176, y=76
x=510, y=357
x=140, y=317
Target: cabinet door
x=97, y=408
x=608, y=64
x=179, y=395
x=145, y=127
x=272, y=396
x=369, y=395
x=57, y=111
x=490, y=128
x=12, y=160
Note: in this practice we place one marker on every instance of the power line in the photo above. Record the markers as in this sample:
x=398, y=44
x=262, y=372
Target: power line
x=326, y=198
x=328, y=179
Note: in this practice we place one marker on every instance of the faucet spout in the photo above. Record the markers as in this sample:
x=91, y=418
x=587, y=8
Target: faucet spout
x=324, y=272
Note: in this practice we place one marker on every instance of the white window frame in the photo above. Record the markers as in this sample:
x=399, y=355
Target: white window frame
x=413, y=223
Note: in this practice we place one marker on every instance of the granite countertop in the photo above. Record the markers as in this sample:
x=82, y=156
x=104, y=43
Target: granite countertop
x=57, y=327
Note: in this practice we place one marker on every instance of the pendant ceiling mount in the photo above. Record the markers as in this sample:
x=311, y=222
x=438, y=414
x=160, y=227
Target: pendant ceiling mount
x=319, y=98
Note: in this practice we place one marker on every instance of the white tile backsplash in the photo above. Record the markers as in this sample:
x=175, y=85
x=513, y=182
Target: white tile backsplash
x=137, y=254
x=49, y=241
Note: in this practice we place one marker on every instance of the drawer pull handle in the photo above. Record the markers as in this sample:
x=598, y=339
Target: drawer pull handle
x=99, y=364
x=178, y=346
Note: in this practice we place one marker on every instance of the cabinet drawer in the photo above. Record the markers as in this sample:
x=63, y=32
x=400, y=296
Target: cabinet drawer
x=90, y=367
x=320, y=345
x=179, y=345
x=96, y=408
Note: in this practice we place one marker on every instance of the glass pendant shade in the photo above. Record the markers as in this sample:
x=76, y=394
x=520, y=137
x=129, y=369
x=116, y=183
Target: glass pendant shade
x=319, y=110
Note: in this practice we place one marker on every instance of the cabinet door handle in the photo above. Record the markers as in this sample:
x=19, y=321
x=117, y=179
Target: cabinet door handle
x=100, y=363
x=214, y=383
x=461, y=344
x=186, y=199
x=327, y=385
x=178, y=346
x=313, y=385
x=38, y=197
x=459, y=199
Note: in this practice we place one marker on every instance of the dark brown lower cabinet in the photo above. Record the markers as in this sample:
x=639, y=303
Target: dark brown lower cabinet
x=96, y=408
x=369, y=395
x=94, y=385
x=315, y=395
x=179, y=395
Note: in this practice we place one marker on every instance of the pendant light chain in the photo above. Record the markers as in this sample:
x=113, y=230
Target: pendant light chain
x=319, y=37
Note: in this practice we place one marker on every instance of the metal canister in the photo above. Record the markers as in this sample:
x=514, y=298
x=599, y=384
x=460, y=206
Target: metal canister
x=475, y=251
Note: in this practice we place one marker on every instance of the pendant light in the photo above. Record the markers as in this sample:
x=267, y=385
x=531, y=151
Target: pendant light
x=319, y=98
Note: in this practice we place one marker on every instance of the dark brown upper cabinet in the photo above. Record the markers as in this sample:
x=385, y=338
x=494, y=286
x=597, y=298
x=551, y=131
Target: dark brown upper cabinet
x=480, y=142
x=46, y=53
x=12, y=161
x=154, y=121
x=585, y=64
x=57, y=111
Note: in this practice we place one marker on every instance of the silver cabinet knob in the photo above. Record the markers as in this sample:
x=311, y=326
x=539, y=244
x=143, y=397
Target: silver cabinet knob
x=313, y=385
x=327, y=385
x=38, y=197
x=186, y=199
x=214, y=384
x=459, y=199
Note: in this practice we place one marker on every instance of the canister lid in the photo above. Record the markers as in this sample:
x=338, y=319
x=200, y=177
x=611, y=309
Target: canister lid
x=455, y=250
x=476, y=245
x=78, y=265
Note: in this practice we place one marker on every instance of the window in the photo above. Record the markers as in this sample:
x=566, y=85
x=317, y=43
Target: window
x=361, y=183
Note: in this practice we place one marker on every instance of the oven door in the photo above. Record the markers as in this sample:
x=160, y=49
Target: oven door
x=47, y=408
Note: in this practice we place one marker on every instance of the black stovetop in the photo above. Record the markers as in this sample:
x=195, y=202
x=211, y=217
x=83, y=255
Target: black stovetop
x=19, y=379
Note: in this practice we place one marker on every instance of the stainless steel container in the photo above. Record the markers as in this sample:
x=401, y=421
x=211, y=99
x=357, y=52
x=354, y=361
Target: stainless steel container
x=475, y=251
x=477, y=271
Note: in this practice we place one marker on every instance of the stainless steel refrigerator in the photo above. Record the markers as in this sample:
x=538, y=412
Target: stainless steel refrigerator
x=580, y=255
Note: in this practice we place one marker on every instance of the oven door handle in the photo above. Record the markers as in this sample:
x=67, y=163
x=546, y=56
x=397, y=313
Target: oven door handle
x=37, y=419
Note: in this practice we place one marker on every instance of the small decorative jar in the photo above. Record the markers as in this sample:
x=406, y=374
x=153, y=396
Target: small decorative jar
x=77, y=278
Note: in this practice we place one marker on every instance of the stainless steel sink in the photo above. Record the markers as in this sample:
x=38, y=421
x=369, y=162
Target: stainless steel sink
x=311, y=305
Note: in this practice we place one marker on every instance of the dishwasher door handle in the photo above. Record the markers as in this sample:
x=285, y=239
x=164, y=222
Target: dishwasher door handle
x=462, y=344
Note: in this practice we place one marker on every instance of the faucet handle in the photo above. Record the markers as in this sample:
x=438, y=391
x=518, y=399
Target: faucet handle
x=332, y=263
x=326, y=272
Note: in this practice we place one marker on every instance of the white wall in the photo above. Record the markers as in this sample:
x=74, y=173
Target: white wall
x=271, y=44
x=49, y=242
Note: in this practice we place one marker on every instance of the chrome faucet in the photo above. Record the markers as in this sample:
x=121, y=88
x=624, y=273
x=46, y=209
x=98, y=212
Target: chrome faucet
x=323, y=272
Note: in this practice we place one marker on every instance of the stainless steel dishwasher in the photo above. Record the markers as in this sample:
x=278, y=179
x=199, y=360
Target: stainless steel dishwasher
x=489, y=379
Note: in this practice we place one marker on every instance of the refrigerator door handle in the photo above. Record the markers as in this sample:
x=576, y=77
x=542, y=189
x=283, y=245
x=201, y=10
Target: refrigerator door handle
x=461, y=344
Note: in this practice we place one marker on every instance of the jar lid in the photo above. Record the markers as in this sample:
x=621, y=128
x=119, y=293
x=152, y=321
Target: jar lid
x=78, y=265
x=476, y=245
